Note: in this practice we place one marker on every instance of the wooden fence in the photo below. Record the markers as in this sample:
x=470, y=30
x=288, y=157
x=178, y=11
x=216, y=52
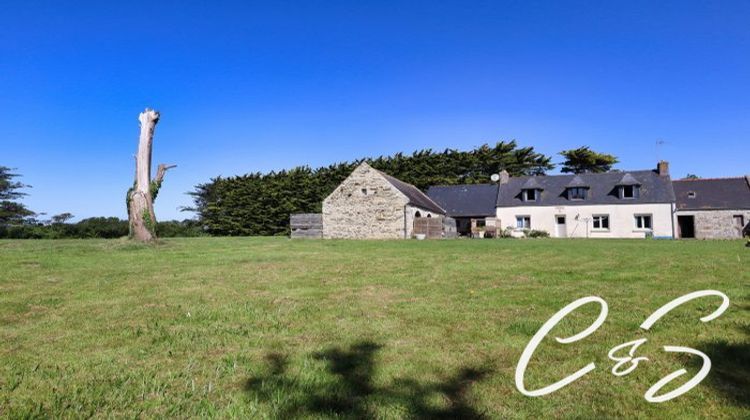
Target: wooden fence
x=306, y=225
x=435, y=227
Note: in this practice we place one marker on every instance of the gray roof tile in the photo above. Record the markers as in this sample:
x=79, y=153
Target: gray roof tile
x=416, y=197
x=603, y=189
x=712, y=194
x=477, y=200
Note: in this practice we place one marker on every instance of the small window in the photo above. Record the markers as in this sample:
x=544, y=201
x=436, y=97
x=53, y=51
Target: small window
x=417, y=214
x=523, y=222
x=739, y=221
x=481, y=223
x=601, y=222
x=691, y=194
x=629, y=191
x=577, y=193
x=429, y=215
x=643, y=221
x=529, y=195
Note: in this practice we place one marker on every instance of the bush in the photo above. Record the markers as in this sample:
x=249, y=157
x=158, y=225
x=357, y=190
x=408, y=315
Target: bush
x=179, y=229
x=537, y=233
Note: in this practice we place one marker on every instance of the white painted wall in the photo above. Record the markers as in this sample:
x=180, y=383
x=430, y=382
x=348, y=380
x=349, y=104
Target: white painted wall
x=579, y=219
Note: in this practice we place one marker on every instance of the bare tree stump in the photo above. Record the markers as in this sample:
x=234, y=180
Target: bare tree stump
x=141, y=197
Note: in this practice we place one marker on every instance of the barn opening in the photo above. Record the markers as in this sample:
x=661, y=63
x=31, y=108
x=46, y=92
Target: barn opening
x=687, y=226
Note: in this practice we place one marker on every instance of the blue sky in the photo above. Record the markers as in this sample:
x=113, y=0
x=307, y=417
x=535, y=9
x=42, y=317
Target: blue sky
x=255, y=86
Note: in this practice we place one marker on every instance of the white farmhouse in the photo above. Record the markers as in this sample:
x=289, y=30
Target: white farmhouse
x=628, y=204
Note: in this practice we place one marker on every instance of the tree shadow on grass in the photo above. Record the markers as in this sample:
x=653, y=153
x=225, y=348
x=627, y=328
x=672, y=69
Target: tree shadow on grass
x=730, y=368
x=351, y=393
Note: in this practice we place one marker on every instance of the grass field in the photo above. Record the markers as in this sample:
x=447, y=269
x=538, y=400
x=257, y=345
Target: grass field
x=269, y=327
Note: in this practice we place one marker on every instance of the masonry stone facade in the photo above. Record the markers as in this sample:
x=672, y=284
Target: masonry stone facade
x=364, y=206
x=717, y=224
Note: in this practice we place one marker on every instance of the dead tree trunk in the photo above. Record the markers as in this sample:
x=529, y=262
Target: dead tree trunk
x=141, y=196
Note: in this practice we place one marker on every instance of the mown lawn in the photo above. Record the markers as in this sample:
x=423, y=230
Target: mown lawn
x=269, y=327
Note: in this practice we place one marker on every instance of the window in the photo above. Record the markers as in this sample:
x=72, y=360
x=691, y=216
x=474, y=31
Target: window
x=577, y=193
x=629, y=191
x=417, y=214
x=643, y=221
x=739, y=221
x=691, y=194
x=529, y=195
x=601, y=222
x=481, y=223
x=523, y=222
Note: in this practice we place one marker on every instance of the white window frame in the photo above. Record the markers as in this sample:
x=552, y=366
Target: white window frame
x=522, y=218
x=643, y=227
x=633, y=192
x=600, y=218
x=526, y=195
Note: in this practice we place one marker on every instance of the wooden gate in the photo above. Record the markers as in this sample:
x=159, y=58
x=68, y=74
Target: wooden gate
x=431, y=227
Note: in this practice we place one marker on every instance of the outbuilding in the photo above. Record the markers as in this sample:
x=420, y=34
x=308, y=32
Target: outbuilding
x=717, y=208
x=370, y=204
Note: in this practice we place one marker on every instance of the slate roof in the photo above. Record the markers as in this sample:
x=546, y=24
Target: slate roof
x=576, y=181
x=532, y=184
x=476, y=200
x=603, y=189
x=628, y=179
x=713, y=194
x=416, y=197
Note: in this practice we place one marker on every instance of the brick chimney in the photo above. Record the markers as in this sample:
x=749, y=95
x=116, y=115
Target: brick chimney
x=504, y=177
x=662, y=168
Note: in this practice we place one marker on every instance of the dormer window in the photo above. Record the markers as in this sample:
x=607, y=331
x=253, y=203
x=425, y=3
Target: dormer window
x=577, y=193
x=629, y=191
x=529, y=195
x=531, y=189
x=629, y=187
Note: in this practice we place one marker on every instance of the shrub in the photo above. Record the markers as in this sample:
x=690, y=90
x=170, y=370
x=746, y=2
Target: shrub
x=536, y=233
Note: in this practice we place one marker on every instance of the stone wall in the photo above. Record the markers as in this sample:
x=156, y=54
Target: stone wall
x=365, y=206
x=716, y=224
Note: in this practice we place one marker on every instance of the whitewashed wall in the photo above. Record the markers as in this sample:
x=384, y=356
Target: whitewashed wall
x=578, y=218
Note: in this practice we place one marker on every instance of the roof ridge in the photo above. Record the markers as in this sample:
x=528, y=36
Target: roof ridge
x=707, y=179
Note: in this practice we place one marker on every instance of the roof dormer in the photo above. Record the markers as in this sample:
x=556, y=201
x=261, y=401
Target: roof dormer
x=629, y=188
x=531, y=190
x=577, y=189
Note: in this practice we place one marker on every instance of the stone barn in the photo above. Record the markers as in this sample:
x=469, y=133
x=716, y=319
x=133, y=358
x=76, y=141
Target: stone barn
x=372, y=205
x=717, y=208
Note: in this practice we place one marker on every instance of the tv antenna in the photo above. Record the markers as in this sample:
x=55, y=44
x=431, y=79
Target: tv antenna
x=657, y=148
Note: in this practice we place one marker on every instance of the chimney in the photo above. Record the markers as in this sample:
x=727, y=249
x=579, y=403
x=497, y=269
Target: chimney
x=747, y=178
x=504, y=177
x=662, y=168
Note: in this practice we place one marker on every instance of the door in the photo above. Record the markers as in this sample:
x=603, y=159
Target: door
x=561, y=230
x=687, y=226
x=739, y=223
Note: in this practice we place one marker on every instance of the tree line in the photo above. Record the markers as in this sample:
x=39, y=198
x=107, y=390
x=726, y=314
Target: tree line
x=260, y=203
x=19, y=222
